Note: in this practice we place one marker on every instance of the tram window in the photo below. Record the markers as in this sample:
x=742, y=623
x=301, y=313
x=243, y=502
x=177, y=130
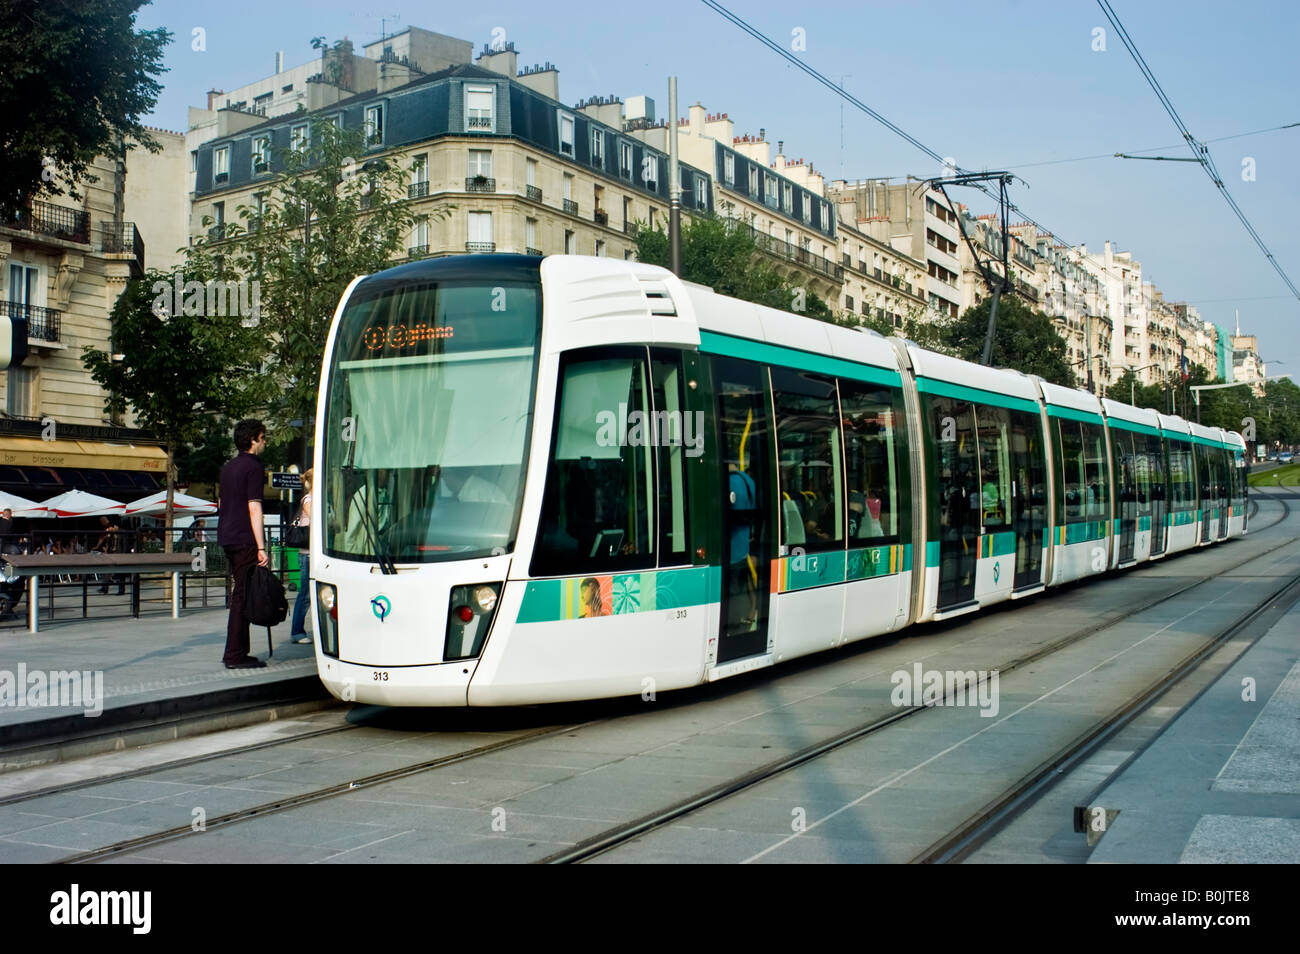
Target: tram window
x=1180, y=475
x=1156, y=463
x=992, y=425
x=1143, y=474
x=811, y=471
x=1073, y=478
x=957, y=470
x=597, y=511
x=871, y=449
x=679, y=435
x=1096, y=497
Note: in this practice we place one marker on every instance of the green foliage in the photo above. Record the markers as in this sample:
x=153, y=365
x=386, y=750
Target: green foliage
x=1024, y=339
x=177, y=369
x=77, y=79
x=725, y=256
x=329, y=217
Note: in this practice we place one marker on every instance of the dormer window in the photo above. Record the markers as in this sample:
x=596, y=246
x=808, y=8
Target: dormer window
x=374, y=125
x=566, y=135
x=480, y=114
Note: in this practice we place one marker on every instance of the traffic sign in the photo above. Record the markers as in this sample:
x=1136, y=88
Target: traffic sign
x=284, y=480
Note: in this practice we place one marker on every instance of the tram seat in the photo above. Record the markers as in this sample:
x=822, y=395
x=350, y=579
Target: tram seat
x=794, y=534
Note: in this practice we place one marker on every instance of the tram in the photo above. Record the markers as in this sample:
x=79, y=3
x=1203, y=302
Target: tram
x=561, y=478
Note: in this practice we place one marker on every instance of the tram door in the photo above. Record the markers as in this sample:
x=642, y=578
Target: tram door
x=746, y=488
x=1223, y=478
x=1028, y=496
x=1125, y=492
x=1159, y=492
x=1204, y=480
x=957, y=496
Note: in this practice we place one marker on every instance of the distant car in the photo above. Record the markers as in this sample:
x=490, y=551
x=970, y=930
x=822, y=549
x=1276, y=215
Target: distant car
x=1284, y=457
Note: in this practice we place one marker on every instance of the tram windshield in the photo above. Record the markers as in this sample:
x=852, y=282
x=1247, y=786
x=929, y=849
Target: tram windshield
x=428, y=411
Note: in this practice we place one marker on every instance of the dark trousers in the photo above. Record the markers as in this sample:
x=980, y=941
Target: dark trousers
x=240, y=560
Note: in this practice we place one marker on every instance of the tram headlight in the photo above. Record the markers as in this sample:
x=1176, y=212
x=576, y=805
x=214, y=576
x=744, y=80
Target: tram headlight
x=470, y=611
x=328, y=618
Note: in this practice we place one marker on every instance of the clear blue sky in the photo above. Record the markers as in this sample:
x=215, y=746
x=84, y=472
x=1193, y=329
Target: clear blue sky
x=999, y=84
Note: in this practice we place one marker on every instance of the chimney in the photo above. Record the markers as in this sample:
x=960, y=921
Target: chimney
x=697, y=120
x=279, y=61
x=212, y=96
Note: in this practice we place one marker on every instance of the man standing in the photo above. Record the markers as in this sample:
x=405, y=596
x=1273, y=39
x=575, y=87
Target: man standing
x=6, y=528
x=240, y=533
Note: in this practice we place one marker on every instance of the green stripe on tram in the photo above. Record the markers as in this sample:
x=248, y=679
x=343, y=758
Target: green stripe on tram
x=619, y=594
x=1134, y=427
x=731, y=346
x=964, y=392
x=1071, y=414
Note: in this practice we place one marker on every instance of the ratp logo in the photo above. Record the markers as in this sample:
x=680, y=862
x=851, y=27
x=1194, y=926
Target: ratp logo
x=381, y=606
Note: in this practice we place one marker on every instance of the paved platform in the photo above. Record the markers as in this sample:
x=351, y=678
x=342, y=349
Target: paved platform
x=153, y=664
x=1222, y=783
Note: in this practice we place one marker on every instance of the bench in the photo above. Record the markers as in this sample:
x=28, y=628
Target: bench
x=35, y=565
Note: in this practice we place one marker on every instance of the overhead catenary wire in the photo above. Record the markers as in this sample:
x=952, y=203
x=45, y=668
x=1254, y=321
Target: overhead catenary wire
x=1198, y=148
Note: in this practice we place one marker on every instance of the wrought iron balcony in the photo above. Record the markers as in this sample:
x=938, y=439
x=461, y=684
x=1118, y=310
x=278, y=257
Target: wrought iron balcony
x=417, y=251
x=478, y=122
x=480, y=184
x=480, y=246
x=601, y=217
x=629, y=227
x=532, y=251
x=217, y=232
x=122, y=239
x=417, y=190
x=43, y=324
x=72, y=225
x=533, y=193
x=570, y=207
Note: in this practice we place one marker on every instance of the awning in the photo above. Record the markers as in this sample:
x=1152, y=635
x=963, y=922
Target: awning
x=95, y=455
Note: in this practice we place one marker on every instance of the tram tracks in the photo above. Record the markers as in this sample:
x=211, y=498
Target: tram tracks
x=615, y=836
x=991, y=817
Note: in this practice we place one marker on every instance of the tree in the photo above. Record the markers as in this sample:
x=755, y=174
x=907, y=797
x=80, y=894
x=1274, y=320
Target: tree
x=325, y=219
x=77, y=80
x=179, y=364
x=724, y=256
x=1025, y=340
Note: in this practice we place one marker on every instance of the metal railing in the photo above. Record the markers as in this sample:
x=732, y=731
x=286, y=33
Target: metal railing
x=600, y=217
x=532, y=251
x=533, y=193
x=43, y=324
x=480, y=246
x=216, y=233
x=629, y=227
x=72, y=225
x=480, y=184
x=417, y=190
x=417, y=251
x=800, y=256
x=570, y=207
x=122, y=239
x=478, y=122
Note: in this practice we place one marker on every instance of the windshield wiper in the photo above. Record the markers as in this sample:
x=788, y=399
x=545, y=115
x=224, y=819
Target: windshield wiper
x=386, y=565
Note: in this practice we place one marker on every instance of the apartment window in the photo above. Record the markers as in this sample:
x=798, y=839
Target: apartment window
x=729, y=168
x=753, y=181
x=194, y=160
x=261, y=102
x=261, y=154
x=826, y=215
x=651, y=165
x=787, y=197
x=374, y=125
x=221, y=165
x=420, y=235
x=25, y=285
x=625, y=159
x=807, y=209
x=568, y=186
x=337, y=120
x=848, y=302
x=769, y=184
x=480, y=163
x=299, y=138
x=530, y=234
x=480, y=232
x=597, y=147
x=701, y=192
x=479, y=104
x=19, y=391
x=219, y=213
x=420, y=168
x=600, y=248
x=530, y=172
x=568, y=241
x=566, y=135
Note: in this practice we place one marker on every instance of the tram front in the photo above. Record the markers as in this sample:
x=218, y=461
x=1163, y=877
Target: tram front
x=422, y=436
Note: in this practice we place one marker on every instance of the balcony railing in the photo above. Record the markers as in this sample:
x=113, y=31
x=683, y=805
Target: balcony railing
x=217, y=233
x=417, y=190
x=42, y=323
x=417, y=251
x=801, y=256
x=478, y=122
x=570, y=207
x=533, y=193
x=601, y=217
x=123, y=239
x=480, y=246
x=532, y=251
x=480, y=184
x=70, y=224
x=629, y=227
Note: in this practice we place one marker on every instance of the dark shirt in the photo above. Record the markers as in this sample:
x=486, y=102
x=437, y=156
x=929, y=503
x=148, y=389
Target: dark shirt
x=242, y=480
